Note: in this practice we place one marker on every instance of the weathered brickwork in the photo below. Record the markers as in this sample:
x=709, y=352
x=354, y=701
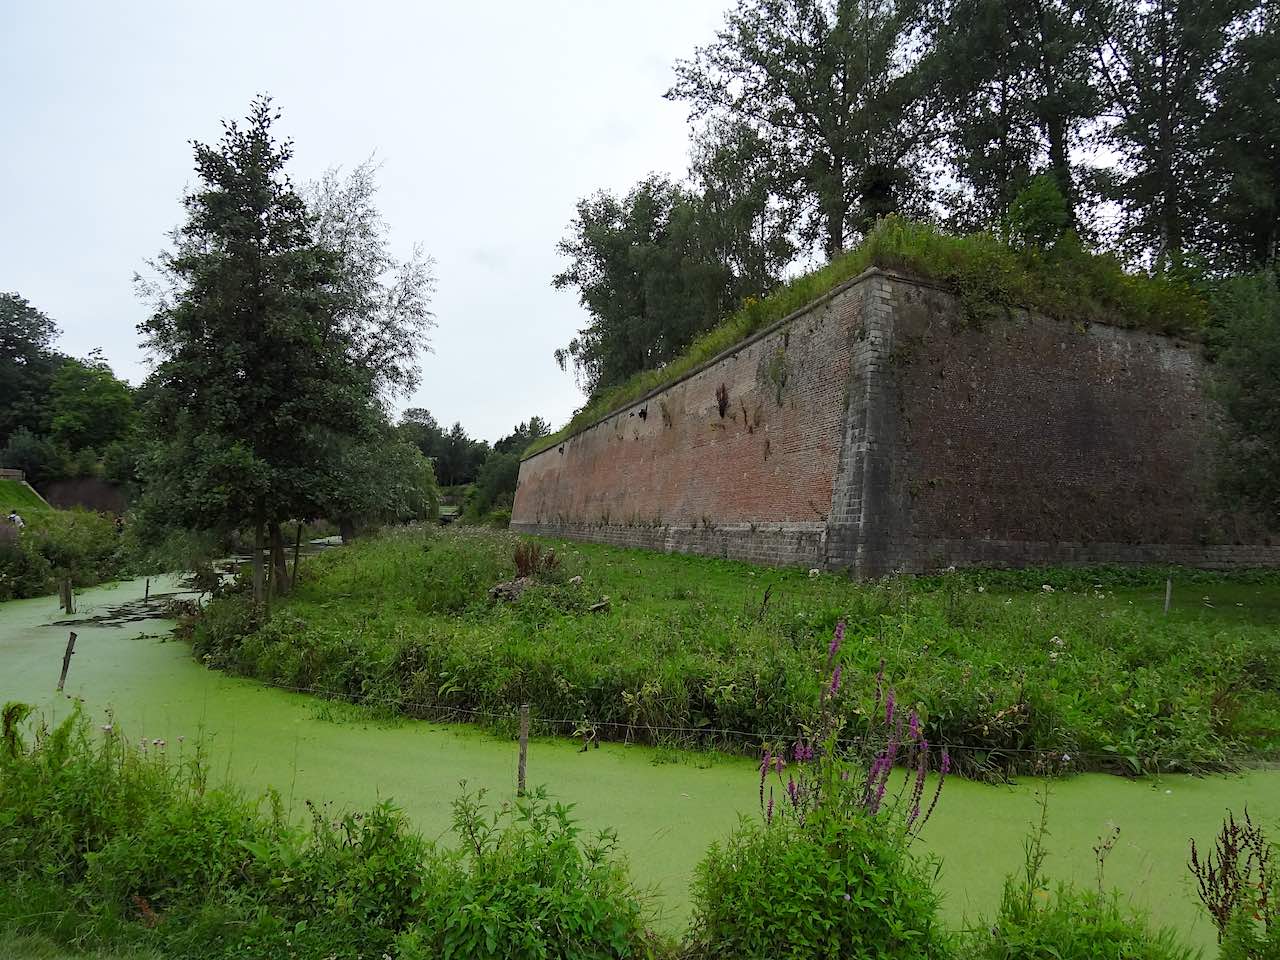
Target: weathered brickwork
x=880, y=430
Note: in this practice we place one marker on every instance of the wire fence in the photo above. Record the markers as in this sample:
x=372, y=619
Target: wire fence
x=582, y=726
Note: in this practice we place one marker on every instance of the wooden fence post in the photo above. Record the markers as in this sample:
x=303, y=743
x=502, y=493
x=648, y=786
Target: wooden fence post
x=524, y=748
x=297, y=547
x=146, y=598
x=66, y=659
x=1168, y=594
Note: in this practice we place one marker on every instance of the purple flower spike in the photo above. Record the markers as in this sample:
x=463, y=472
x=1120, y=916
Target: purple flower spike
x=888, y=707
x=835, y=681
x=946, y=762
x=835, y=643
x=768, y=814
x=915, y=726
x=793, y=791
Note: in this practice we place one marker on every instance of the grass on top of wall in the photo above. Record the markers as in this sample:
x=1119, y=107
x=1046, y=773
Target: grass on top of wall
x=986, y=273
x=1047, y=670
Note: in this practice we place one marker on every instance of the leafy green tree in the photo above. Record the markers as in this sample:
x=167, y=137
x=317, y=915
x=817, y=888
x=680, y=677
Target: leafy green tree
x=459, y=457
x=35, y=455
x=645, y=276
x=495, y=485
x=523, y=435
x=830, y=90
x=1017, y=86
x=1243, y=133
x=1246, y=342
x=90, y=407
x=1159, y=63
x=741, y=221
x=420, y=428
x=28, y=363
x=268, y=361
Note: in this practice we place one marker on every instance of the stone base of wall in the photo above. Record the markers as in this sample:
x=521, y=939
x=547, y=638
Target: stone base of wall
x=771, y=544
x=922, y=556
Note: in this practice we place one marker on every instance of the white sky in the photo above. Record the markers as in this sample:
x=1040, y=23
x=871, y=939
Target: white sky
x=491, y=120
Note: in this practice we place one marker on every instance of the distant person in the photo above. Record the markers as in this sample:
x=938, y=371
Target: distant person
x=16, y=520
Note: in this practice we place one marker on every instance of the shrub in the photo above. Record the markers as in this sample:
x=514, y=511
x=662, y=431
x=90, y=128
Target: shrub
x=828, y=872
x=56, y=544
x=829, y=888
x=532, y=560
x=1238, y=882
x=113, y=842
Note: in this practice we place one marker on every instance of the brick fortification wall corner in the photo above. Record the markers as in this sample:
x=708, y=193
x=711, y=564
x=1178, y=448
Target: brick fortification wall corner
x=878, y=430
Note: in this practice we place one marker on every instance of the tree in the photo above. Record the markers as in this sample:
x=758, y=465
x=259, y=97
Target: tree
x=523, y=435
x=380, y=303
x=35, y=455
x=28, y=363
x=742, y=223
x=1016, y=81
x=1159, y=62
x=90, y=407
x=1243, y=134
x=644, y=275
x=459, y=457
x=829, y=89
x=420, y=428
x=270, y=354
x=1246, y=342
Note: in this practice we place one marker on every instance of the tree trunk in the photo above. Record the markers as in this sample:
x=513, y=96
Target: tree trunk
x=1060, y=164
x=280, y=566
x=347, y=528
x=259, y=536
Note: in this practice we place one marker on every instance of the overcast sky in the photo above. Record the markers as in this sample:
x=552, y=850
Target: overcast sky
x=491, y=121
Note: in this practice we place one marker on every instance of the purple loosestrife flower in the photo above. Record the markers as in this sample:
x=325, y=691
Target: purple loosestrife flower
x=835, y=681
x=793, y=791
x=888, y=708
x=915, y=726
x=836, y=640
x=768, y=814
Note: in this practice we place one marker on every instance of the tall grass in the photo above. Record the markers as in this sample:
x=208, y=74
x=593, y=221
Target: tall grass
x=691, y=650
x=986, y=273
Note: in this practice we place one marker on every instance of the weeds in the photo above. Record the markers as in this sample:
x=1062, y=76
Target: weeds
x=1090, y=676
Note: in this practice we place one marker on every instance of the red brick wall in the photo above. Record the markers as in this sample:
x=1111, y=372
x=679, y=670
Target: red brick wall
x=673, y=461
x=880, y=430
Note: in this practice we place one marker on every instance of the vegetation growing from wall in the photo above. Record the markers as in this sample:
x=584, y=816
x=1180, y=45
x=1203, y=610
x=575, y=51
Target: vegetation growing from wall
x=988, y=275
x=1087, y=674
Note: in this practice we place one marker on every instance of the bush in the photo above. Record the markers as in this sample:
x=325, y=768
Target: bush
x=110, y=842
x=829, y=889
x=58, y=544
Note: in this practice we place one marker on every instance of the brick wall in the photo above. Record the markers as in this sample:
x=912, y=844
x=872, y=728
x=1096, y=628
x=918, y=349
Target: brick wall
x=879, y=430
x=674, y=472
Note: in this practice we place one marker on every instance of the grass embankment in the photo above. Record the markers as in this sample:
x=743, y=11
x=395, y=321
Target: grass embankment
x=20, y=497
x=1012, y=677
x=986, y=273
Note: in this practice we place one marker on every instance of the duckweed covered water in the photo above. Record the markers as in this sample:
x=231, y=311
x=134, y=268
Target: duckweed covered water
x=667, y=807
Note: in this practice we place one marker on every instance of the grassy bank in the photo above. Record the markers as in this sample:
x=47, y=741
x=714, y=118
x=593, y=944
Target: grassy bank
x=1011, y=676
